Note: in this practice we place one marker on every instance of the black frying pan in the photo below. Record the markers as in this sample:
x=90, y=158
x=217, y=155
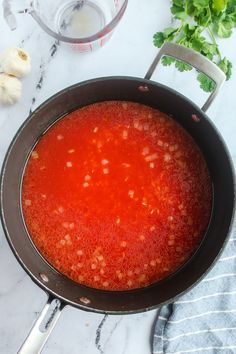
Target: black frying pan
x=150, y=93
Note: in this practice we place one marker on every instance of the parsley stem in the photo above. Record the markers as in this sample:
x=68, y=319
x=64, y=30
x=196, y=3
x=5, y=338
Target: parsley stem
x=214, y=41
x=178, y=30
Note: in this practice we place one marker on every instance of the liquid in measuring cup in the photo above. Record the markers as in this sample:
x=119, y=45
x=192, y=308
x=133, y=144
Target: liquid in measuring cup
x=84, y=24
x=81, y=19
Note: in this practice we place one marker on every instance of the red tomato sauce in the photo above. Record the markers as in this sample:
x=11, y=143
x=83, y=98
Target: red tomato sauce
x=116, y=195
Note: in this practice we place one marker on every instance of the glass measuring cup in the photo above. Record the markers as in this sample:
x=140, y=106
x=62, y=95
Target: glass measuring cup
x=85, y=24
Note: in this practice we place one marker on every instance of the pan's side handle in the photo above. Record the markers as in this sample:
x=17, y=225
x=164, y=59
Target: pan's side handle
x=195, y=59
x=43, y=327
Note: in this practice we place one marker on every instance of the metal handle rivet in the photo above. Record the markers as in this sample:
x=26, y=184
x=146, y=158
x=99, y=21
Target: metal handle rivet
x=84, y=300
x=143, y=88
x=44, y=277
x=195, y=118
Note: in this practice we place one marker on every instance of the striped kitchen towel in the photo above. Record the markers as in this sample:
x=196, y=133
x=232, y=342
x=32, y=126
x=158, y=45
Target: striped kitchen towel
x=203, y=320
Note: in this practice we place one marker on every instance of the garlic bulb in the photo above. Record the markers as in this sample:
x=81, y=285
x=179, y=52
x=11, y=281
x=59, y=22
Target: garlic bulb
x=15, y=61
x=10, y=89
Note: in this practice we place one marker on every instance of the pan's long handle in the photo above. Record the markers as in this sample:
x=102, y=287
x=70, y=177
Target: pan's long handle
x=195, y=59
x=42, y=328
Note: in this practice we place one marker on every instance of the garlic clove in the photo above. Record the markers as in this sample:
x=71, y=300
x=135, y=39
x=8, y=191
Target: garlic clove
x=10, y=89
x=15, y=61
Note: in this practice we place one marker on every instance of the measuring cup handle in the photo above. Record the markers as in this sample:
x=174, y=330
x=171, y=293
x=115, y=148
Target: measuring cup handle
x=197, y=60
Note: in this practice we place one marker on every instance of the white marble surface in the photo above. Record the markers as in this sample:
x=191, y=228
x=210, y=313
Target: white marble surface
x=129, y=52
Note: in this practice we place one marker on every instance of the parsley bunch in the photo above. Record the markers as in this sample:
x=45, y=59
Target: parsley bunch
x=199, y=22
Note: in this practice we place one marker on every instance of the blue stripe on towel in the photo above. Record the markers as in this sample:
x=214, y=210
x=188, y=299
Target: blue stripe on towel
x=204, y=319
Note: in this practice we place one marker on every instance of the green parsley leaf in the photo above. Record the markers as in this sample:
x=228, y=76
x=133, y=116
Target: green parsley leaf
x=158, y=39
x=224, y=28
x=178, y=9
x=209, y=50
x=226, y=66
x=206, y=83
x=231, y=10
x=219, y=5
x=167, y=60
x=198, y=44
x=182, y=66
x=203, y=18
x=200, y=22
x=168, y=32
x=190, y=8
x=199, y=4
